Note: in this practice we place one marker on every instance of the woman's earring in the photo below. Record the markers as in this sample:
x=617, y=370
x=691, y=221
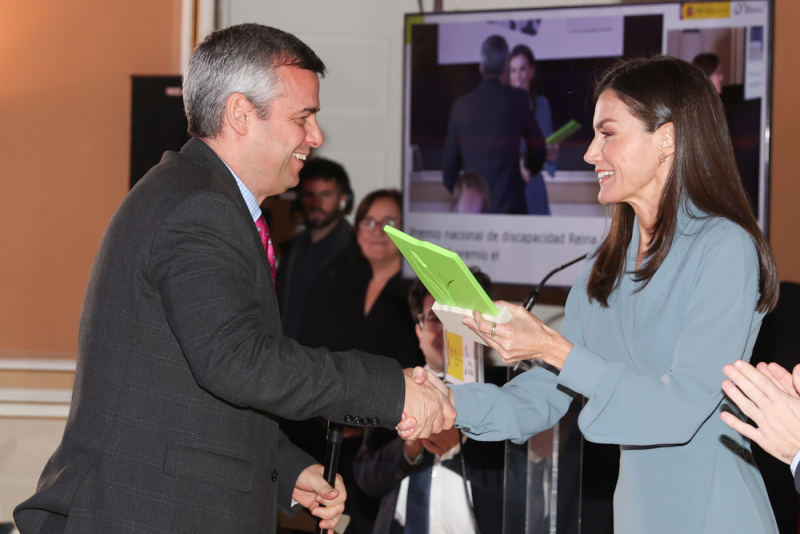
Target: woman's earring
x=661, y=159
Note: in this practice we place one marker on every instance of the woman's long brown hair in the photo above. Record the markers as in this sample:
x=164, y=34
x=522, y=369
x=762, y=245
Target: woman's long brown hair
x=657, y=91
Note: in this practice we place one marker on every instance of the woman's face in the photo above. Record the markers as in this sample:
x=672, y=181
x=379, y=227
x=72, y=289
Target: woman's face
x=520, y=72
x=374, y=243
x=625, y=156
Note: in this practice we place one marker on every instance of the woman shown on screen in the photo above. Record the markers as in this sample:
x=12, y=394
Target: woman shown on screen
x=676, y=290
x=522, y=74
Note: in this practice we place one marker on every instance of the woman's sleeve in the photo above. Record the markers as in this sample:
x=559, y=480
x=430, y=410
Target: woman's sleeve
x=527, y=405
x=717, y=327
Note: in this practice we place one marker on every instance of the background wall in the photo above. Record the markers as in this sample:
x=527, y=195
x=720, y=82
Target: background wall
x=785, y=194
x=65, y=111
x=65, y=106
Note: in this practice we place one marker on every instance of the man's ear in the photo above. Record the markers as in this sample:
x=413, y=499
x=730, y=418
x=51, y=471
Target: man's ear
x=668, y=138
x=239, y=113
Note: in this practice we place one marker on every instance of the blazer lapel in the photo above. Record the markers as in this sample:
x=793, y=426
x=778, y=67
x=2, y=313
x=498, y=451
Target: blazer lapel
x=203, y=155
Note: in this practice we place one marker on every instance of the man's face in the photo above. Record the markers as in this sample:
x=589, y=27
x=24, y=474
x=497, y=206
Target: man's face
x=277, y=147
x=430, y=336
x=322, y=202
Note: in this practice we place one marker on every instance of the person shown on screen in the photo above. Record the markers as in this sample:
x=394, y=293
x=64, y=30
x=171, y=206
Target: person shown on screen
x=711, y=66
x=182, y=362
x=471, y=194
x=770, y=396
x=522, y=74
x=484, y=132
x=676, y=290
x=420, y=482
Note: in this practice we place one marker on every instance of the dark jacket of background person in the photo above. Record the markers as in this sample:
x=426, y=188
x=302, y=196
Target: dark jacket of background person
x=334, y=317
x=381, y=466
x=484, y=135
x=301, y=263
x=180, y=349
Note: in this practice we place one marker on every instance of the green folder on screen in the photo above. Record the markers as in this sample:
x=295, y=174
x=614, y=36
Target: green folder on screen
x=450, y=282
x=563, y=133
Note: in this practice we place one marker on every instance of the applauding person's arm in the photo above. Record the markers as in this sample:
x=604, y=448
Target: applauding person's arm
x=769, y=396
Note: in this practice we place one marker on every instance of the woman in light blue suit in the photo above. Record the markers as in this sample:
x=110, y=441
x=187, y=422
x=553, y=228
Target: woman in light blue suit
x=677, y=289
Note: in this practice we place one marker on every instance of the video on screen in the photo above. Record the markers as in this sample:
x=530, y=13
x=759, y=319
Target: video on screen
x=499, y=111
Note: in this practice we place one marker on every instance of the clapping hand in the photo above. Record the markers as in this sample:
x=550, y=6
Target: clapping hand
x=769, y=396
x=428, y=407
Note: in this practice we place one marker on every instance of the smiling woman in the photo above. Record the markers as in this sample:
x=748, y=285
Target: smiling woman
x=676, y=290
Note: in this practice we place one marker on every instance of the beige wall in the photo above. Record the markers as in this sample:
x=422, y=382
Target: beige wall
x=785, y=193
x=65, y=106
x=65, y=116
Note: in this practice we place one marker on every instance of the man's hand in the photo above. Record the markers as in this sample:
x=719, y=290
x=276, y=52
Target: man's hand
x=762, y=399
x=427, y=410
x=443, y=441
x=312, y=491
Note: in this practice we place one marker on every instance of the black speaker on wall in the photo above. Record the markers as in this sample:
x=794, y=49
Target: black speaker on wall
x=158, y=122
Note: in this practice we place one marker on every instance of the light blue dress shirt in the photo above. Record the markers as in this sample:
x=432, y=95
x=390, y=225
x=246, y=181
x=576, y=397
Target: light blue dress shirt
x=650, y=366
x=249, y=197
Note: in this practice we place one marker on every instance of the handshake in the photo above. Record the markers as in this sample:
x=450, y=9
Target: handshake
x=428, y=407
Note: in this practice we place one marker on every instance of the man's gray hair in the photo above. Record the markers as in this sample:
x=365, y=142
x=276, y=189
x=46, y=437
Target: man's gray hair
x=239, y=59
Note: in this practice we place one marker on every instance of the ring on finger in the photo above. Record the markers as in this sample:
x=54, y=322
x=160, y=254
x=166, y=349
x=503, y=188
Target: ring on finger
x=494, y=326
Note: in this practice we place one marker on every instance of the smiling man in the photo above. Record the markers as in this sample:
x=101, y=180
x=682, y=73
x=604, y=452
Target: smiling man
x=182, y=363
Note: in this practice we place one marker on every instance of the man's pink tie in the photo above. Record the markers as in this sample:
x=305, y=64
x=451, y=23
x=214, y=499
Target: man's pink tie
x=266, y=240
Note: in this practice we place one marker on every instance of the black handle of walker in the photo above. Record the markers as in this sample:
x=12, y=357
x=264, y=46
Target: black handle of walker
x=334, y=447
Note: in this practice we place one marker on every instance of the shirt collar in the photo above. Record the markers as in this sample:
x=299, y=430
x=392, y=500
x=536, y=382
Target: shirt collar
x=249, y=197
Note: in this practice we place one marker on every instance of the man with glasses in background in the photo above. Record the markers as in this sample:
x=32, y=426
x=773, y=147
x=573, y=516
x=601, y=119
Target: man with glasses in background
x=421, y=484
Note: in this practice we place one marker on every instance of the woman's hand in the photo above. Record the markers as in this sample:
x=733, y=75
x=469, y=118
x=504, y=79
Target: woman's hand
x=523, y=338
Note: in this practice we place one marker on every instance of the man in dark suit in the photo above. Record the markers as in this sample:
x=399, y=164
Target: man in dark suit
x=325, y=197
x=485, y=130
x=422, y=483
x=181, y=360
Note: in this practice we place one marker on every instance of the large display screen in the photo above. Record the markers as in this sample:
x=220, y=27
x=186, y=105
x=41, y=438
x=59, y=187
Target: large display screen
x=466, y=182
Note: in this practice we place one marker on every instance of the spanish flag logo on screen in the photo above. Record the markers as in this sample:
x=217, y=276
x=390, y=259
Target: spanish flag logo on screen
x=705, y=10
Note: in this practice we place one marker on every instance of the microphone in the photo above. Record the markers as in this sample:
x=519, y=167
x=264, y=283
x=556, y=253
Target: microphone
x=334, y=447
x=531, y=300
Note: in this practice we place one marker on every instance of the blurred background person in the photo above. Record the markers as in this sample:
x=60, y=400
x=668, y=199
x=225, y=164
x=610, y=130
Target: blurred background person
x=522, y=74
x=471, y=194
x=420, y=483
x=360, y=301
x=484, y=132
x=711, y=66
x=324, y=198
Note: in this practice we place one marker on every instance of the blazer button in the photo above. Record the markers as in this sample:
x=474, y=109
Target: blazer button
x=275, y=475
x=356, y=420
x=348, y=418
x=376, y=422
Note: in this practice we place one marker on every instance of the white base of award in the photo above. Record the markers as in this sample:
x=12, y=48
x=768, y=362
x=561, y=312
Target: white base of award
x=451, y=317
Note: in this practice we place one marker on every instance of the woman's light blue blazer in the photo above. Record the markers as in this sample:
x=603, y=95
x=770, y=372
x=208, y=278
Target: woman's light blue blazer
x=650, y=366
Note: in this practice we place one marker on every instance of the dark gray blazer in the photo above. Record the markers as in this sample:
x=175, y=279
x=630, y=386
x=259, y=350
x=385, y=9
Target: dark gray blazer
x=181, y=366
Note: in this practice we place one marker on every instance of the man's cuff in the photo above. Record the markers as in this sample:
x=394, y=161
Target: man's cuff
x=795, y=462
